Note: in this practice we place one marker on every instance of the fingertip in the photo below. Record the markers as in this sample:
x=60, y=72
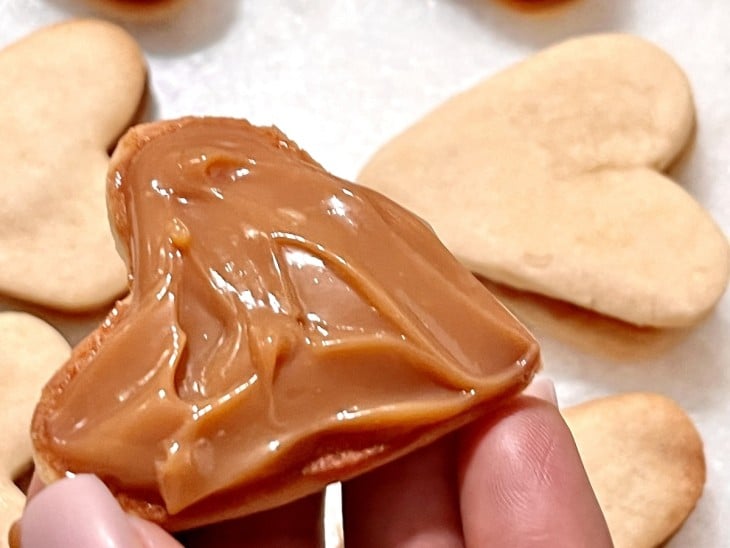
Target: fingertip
x=409, y=502
x=79, y=512
x=522, y=481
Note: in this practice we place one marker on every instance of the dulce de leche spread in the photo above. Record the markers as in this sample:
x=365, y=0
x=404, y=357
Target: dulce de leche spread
x=284, y=329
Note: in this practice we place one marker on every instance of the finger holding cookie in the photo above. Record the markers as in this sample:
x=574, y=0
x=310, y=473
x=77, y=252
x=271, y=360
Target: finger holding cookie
x=562, y=159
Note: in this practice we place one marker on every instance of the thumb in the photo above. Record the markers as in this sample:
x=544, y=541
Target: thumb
x=81, y=512
x=522, y=481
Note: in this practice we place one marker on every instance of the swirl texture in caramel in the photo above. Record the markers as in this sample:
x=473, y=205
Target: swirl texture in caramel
x=284, y=329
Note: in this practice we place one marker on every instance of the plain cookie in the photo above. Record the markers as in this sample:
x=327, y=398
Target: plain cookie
x=546, y=177
x=66, y=94
x=30, y=352
x=646, y=463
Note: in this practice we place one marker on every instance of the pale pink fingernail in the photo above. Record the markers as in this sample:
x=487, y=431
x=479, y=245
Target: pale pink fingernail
x=542, y=388
x=35, y=485
x=78, y=512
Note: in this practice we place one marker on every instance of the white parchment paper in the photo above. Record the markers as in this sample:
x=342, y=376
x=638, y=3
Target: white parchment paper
x=342, y=76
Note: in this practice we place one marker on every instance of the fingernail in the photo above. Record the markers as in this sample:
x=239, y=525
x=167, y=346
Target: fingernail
x=35, y=486
x=543, y=388
x=79, y=512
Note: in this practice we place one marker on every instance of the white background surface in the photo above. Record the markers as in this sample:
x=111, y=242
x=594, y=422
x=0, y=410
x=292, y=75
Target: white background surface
x=342, y=76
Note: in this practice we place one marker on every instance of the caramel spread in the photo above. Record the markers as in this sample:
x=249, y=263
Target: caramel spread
x=284, y=328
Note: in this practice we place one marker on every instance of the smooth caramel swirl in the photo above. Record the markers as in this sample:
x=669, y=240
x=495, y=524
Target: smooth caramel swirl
x=284, y=327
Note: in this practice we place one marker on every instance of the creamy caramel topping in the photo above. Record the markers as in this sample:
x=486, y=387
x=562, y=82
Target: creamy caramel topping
x=280, y=319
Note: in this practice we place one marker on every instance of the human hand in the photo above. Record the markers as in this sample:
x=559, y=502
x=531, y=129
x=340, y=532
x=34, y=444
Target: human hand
x=513, y=479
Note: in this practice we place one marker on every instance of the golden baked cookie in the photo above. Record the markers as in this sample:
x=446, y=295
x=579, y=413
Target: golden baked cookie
x=66, y=94
x=645, y=460
x=30, y=352
x=548, y=177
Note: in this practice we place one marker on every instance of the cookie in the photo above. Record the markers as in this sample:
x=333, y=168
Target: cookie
x=581, y=329
x=66, y=94
x=30, y=352
x=547, y=177
x=645, y=460
x=306, y=330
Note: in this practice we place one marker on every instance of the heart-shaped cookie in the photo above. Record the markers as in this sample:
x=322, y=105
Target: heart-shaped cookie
x=66, y=93
x=284, y=329
x=31, y=351
x=546, y=177
x=645, y=460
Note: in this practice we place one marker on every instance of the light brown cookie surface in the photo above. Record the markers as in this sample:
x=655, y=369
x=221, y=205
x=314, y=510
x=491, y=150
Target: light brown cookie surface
x=645, y=460
x=30, y=352
x=546, y=177
x=66, y=93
